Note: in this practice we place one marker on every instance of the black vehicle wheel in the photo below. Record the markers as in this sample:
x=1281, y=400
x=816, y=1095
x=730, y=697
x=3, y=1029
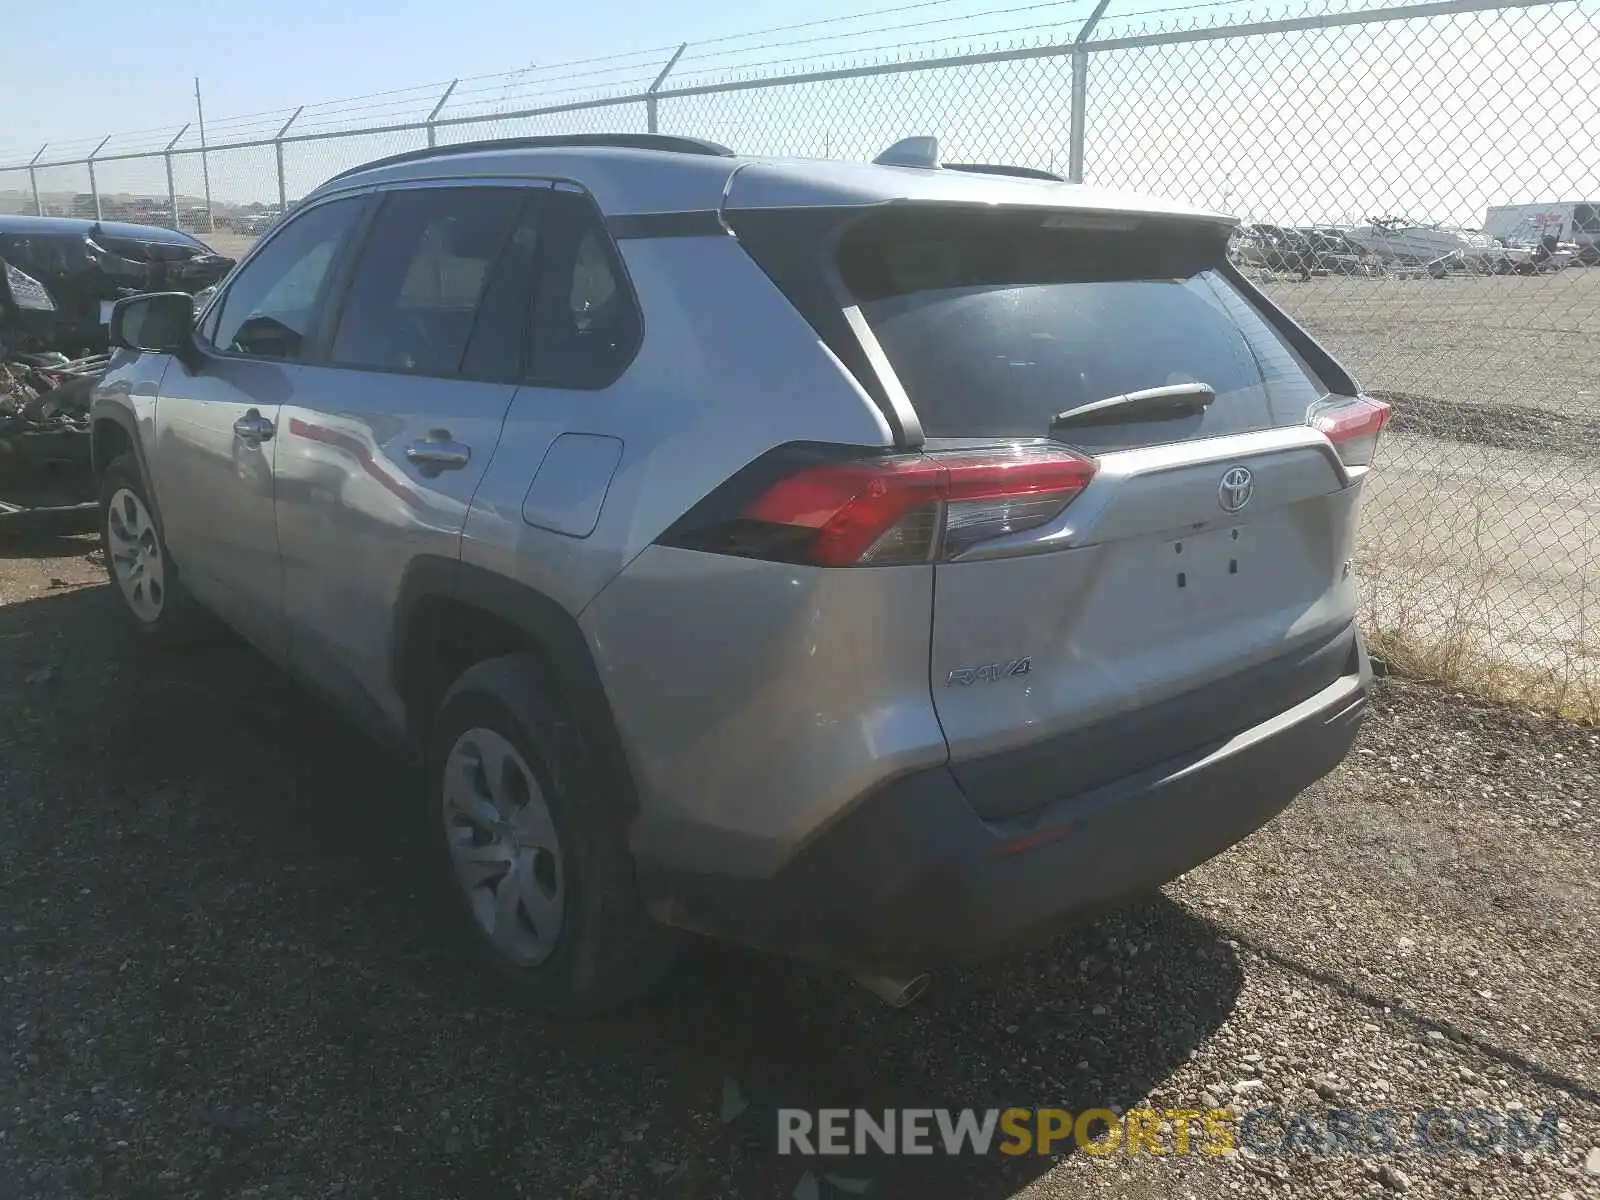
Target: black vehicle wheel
x=529, y=851
x=144, y=576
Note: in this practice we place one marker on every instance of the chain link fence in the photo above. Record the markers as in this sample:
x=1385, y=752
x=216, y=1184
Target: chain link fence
x=1375, y=155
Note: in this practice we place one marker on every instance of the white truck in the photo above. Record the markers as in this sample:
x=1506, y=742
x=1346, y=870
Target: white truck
x=1572, y=221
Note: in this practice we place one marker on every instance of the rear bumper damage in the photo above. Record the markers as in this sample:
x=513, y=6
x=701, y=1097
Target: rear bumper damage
x=913, y=878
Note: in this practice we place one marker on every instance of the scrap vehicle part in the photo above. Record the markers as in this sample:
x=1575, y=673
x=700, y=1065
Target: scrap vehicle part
x=46, y=476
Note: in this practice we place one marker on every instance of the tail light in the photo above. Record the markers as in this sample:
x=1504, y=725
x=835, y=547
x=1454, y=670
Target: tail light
x=1352, y=424
x=27, y=292
x=882, y=511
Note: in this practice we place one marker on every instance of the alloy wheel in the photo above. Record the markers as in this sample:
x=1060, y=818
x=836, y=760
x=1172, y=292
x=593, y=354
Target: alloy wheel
x=135, y=552
x=503, y=846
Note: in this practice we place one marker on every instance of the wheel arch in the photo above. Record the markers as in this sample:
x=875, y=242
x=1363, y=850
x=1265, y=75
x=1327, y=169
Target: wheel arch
x=451, y=615
x=114, y=430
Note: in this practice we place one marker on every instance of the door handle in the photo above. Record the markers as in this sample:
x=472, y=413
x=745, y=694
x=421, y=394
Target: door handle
x=253, y=427
x=437, y=452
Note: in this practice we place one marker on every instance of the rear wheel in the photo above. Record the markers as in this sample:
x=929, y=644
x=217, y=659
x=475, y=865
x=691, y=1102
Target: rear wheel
x=146, y=580
x=529, y=850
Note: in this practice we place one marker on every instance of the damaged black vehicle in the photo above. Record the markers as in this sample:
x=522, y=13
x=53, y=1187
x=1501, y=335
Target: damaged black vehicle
x=59, y=279
x=63, y=275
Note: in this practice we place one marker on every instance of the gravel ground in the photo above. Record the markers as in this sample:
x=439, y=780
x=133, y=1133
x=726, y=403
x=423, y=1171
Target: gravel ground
x=221, y=976
x=1534, y=429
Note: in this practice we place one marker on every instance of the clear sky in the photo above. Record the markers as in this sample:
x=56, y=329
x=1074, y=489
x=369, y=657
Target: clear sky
x=1433, y=118
x=85, y=68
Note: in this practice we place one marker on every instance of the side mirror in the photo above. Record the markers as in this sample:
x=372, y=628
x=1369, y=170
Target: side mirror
x=161, y=321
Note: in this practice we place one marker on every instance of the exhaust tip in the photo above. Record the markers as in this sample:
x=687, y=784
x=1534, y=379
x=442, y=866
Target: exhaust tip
x=895, y=991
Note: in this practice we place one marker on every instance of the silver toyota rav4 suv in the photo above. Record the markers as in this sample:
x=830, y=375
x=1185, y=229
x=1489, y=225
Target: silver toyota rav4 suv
x=871, y=563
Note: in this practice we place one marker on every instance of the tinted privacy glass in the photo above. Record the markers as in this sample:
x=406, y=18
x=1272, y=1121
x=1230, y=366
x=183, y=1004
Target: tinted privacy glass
x=270, y=307
x=997, y=324
x=586, y=325
x=414, y=295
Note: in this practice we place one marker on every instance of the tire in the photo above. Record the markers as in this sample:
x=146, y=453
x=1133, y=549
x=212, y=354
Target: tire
x=151, y=595
x=514, y=800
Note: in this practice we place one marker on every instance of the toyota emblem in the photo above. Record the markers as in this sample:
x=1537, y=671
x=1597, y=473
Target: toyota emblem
x=1236, y=488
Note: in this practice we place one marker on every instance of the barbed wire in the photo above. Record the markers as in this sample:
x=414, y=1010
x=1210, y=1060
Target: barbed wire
x=509, y=86
x=597, y=78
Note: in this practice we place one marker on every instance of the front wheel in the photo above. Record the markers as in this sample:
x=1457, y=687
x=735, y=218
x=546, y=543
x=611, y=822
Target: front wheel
x=152, y=597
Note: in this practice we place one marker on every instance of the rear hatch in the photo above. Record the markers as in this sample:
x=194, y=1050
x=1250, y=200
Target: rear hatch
x=1197, y=581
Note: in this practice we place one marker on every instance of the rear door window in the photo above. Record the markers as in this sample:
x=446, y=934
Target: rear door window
x=414, y=296
x=997, y=323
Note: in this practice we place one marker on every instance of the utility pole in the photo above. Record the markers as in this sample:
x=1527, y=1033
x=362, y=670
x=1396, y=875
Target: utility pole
x=205, y=166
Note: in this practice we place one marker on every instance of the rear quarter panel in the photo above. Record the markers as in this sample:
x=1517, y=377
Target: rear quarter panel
x=727, y=369
x=754, y=699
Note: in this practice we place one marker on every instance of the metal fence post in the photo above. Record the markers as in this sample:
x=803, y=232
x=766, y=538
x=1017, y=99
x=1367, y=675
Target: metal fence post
x=172, y=191
x=277, y=149
x=94, y=187
x=650, y=92
x=1080, y=93
x=205, y=163
x=33, y=182
x=437, y=108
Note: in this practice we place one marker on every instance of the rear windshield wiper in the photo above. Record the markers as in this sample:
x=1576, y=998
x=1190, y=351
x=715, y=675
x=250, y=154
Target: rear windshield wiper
x=1147, y=404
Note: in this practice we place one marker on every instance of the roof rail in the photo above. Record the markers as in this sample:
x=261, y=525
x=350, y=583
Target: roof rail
x=621, y=141
x=1004, y=169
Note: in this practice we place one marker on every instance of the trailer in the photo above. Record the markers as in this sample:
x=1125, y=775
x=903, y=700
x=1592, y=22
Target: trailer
x=1573, y=221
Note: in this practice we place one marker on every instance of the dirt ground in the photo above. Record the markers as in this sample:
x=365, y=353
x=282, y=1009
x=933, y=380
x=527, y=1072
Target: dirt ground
x=220, y=975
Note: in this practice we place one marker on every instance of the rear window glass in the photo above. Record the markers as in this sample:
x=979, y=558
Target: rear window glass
x=997, y=323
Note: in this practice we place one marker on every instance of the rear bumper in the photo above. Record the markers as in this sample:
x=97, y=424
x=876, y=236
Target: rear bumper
x=912, y=877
